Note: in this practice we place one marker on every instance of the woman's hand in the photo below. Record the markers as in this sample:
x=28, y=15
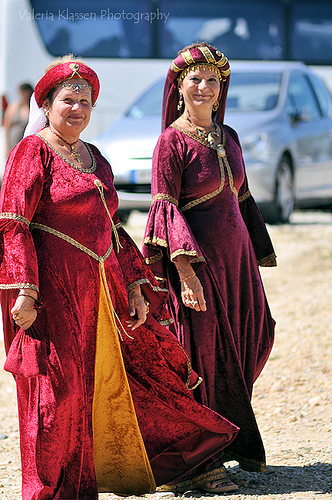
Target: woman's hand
x=192, y=294
x=137, y=307
x=24, y=312
x=191, y=289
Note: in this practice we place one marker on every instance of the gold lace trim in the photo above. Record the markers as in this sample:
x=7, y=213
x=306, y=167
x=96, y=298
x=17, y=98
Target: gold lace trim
x=89, y=170
x=199, y=381
x=191, y=253
x=165, y=197
x=155, y=241
x=145, y=280
x=11, y=286
x=223, y=164
x=73, y=242
x=114, y=227
x=188, y=57
x=159, y=278
x=246, y=195
x=195, y=482
x=154, y=258
x=9, y=215
x=269, y=261
x=166, y=322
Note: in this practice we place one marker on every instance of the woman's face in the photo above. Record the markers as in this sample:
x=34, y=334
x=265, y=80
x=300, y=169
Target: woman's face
x=200, y=89
x=69, y=112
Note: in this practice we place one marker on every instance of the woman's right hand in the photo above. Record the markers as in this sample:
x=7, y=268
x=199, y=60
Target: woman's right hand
x=192, y=294
x=24, y=312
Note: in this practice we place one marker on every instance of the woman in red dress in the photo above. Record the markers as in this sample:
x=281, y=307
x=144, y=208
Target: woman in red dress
x=103, y=387
x=205, y=239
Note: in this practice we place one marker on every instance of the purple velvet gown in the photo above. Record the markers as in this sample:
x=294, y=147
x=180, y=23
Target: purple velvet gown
x=55, y=235
x=202, y=208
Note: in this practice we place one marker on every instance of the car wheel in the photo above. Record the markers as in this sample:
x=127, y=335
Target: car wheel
x=282, y=206
x=124, y=216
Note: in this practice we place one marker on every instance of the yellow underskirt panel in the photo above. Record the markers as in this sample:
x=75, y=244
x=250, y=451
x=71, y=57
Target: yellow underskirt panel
x=120, y=458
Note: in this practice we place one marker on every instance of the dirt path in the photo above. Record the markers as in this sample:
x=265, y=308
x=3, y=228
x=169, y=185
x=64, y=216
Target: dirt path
x=293, y=396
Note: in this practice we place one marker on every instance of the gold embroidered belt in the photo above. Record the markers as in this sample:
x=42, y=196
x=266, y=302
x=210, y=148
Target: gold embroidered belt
x=73, y=242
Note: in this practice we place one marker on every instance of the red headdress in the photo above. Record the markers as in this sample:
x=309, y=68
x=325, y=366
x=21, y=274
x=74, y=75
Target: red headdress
x=66, y=71
x=201, y=56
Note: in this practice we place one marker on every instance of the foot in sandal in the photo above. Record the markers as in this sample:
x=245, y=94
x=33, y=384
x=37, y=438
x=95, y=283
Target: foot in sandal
x=219, y=486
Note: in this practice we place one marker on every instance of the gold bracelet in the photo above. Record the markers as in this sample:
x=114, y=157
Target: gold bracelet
x=187, y=278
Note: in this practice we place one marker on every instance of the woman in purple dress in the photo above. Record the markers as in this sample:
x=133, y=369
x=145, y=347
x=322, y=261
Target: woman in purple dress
x=205, y=239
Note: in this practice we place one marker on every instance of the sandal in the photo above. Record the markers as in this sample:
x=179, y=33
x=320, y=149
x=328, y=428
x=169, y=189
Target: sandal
x=219, y=486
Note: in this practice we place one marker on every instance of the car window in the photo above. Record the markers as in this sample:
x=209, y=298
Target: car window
x=323, y=95
x=257, y=91
x=302, y=99
x=149, y=104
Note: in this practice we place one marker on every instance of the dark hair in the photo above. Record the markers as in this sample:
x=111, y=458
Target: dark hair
x=194, y=45
x=25, y=87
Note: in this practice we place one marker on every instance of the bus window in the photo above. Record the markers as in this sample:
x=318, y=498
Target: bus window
x=99, y=29
x=311, y=31
x=242, y=29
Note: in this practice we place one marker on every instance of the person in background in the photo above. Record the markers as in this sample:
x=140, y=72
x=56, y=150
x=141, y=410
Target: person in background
x=104, y=389
x=205, y=239
x=16, y=117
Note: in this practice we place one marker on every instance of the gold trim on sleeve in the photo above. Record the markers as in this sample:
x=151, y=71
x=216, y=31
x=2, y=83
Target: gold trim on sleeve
x=166, y=322
x=246, y=195
x=19, y=218
x=12, y=286
x=191, y=253
x=165, y=197
x=143, y=281
x=155, y=241
x=155, y=258
x=269, y=261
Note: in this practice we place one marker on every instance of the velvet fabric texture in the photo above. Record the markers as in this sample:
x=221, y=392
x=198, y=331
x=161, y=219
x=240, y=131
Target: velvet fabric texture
x=196, y=212
x=55, y=234
x=66, y=71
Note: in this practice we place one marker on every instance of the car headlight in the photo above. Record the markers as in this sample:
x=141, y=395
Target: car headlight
x=255, y=146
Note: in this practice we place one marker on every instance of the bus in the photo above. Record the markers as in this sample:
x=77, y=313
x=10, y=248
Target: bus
x=130, y=43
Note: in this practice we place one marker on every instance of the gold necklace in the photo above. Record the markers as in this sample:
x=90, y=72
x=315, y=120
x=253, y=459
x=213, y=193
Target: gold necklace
x=208, y=136
x=75, y=154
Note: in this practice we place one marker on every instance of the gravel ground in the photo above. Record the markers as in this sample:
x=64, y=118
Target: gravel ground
x=292, y=397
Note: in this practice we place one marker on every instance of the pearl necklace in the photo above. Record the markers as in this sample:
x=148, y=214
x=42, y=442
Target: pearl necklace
x=208, y=136
x=75, y=154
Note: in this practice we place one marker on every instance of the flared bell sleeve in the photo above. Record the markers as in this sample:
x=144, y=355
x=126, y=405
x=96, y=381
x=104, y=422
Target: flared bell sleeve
x=254, y=221
x=20, y=194
x=136, y=272
x=167, y=233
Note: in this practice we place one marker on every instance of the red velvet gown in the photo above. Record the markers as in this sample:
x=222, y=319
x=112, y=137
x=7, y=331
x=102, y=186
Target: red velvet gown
x=56, y=237
x=202, y=208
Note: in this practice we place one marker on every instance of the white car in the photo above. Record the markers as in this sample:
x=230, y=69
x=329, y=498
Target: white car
x=283, y=115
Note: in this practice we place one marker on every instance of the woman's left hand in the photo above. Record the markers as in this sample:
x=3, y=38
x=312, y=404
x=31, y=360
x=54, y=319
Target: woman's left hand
x=137, y=307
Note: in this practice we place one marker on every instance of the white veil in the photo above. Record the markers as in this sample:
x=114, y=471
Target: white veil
x=37, y=118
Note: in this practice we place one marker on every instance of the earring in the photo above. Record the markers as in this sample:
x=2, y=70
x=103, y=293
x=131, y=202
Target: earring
x=180, y=103
x=215, y=106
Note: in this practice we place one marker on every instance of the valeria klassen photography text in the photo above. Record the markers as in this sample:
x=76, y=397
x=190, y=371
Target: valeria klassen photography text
x=106, y=14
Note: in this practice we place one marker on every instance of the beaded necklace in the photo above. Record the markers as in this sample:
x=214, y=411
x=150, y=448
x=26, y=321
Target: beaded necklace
x=75, y=154
x=208, y=137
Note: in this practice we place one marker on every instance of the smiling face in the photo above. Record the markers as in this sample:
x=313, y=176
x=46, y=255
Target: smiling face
x=200, y=89
x=70, y=110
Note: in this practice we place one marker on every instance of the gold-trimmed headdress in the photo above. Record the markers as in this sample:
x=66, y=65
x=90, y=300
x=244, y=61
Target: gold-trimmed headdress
x=202, y=56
